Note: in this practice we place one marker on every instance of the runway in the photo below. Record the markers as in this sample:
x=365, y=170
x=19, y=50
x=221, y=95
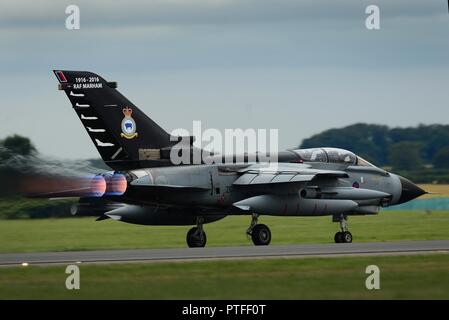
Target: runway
x=183, y=254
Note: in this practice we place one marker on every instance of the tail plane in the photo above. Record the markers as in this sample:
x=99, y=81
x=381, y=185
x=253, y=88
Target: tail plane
x=124, y=136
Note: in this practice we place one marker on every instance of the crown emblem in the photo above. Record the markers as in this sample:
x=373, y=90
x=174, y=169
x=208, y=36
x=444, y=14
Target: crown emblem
x=127, y=111
x=128, y=124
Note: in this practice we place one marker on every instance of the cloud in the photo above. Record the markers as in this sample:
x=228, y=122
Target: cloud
x=209, y=60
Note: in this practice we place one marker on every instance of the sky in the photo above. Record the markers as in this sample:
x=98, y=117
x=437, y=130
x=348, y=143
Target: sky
x=298, y=66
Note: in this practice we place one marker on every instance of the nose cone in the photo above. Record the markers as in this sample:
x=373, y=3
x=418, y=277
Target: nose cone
x=410, y=190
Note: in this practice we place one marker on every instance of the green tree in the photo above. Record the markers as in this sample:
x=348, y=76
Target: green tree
x=18, y=145
x=373, y=142
x=406, y=155
x=441, y=158
x=369, y=141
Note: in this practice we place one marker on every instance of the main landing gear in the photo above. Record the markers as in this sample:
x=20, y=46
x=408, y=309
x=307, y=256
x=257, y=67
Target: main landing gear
x=196, y=237
x=259, y=233
x=343, y=236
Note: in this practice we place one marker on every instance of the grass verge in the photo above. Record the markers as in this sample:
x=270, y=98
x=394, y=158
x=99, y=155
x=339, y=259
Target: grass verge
x=401, y=277
x=86, y=234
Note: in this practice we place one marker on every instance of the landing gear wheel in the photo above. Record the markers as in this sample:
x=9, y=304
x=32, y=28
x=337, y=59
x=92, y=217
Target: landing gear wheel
x=339, y=237
x=347, y=237
x=261, y=235
x=196, y=238
x=343, y=236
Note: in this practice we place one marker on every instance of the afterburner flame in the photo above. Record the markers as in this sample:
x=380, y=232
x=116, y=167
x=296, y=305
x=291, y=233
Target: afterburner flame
x=98, y=186
x=61, y=186
x=116, y=184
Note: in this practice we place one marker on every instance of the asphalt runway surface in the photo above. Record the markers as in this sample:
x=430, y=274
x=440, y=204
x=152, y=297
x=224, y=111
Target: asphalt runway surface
x=208, y=253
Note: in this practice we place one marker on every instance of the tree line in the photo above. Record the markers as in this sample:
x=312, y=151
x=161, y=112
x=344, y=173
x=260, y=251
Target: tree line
x=412, y=148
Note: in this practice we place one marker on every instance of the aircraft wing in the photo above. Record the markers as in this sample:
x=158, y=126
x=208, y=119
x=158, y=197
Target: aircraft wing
x=283, y=173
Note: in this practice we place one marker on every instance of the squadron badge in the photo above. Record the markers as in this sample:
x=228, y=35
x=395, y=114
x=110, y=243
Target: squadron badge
x=128, y=124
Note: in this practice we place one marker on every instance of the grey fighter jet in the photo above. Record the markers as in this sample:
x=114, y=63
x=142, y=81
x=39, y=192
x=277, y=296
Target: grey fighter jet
x=146, y=187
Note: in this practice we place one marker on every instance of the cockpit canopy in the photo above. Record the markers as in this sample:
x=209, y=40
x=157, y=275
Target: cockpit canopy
x=331, y=155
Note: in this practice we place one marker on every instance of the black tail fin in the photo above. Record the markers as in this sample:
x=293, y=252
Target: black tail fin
x=124, y=136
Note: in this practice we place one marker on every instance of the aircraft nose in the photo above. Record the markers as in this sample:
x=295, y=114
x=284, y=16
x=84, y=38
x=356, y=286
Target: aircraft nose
x=409, y=191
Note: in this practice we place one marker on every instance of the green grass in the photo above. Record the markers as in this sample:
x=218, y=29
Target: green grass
x=87, y=234
x=401, y=277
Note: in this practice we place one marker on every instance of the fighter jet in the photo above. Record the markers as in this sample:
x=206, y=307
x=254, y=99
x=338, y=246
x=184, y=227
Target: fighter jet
x=146, y=187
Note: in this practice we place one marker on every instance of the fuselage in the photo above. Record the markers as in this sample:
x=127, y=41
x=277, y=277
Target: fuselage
x=212, y=188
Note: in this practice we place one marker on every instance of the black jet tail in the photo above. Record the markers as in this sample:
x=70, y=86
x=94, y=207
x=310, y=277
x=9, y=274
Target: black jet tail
x=123, y=135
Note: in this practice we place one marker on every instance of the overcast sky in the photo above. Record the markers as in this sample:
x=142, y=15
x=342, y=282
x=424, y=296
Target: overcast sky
x=298, y=66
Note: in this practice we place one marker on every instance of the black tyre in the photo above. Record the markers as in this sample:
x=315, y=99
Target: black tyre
x=261, y=235
x=339, y=237
x=347, y=237
x=196, y=239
